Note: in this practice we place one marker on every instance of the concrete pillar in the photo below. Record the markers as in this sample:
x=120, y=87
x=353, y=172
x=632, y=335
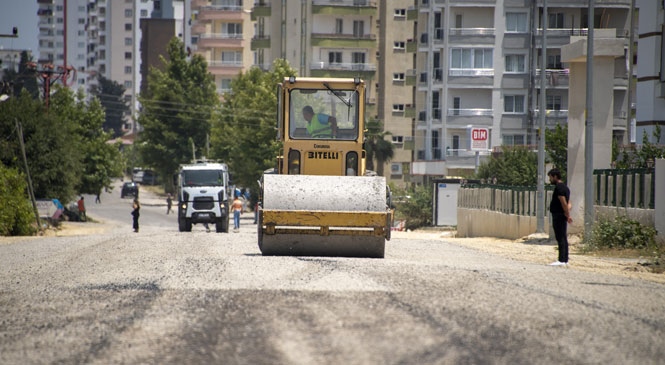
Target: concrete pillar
x=606, y=49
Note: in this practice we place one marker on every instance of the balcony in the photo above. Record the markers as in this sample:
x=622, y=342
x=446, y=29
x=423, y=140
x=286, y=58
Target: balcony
x=220, y=12
x=327, y=69
x=471, y=35
x=411, y=45
x=344, y=7
x=344, y=40
x=412, y=13
x=410, y=77
x=225, y=68
x=459, y=117
x=261, y=9
x=220, y=40
x=554, y=77
x=260, y=41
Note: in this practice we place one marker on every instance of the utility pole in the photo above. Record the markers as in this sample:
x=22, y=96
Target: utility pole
x=31, y=192
x=540, y=208
x=50, y=74
x=588, y=130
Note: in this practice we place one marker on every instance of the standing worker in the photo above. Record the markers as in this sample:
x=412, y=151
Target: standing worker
x=169, y=204
x=237, y=210
x=81, y=206
x=560, y=210
x=136, y=214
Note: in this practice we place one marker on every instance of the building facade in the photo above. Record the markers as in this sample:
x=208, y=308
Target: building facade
x=477, y=66
x=650, y=100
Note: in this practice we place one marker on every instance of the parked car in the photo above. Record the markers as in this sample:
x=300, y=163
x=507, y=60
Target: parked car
x=129, y=189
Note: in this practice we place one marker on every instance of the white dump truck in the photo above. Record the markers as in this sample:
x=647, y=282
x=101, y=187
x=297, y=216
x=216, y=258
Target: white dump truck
x=204, y=194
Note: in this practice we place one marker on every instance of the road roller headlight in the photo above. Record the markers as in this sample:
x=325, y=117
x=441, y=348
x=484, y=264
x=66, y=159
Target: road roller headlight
x=294, y=162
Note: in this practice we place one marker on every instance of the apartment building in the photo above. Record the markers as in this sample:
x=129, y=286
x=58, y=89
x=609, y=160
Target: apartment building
x=67, y=33
x=477, y=66
x=221, y=32
x=650, y=100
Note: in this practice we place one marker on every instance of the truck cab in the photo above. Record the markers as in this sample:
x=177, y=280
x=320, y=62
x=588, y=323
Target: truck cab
x=203, y=195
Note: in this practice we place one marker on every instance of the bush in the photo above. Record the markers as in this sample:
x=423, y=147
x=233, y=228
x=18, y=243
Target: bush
x=621, y=233
x=414, y=206
x=16, y=215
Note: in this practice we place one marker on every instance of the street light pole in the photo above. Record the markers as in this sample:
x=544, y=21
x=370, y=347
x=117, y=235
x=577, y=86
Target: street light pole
x=588, y=130
x=31, y=192
x=540, y=202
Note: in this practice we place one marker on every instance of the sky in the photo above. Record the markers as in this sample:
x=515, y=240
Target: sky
x=21, y=14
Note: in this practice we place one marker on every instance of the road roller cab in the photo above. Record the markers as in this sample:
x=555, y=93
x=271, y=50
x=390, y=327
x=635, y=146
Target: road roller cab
x=320, y=202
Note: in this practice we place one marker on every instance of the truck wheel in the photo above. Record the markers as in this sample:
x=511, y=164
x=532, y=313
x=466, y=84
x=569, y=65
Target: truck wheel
x=222, y=225
x=184, y=225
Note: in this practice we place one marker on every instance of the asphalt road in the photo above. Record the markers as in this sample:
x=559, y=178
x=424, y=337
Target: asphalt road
x=165, y=297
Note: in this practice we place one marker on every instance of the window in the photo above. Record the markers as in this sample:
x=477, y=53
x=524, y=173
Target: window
x=555, y=20
x=157, y=4
x=400, y=13
x=128, y=26
x=358, y=58
x=225, y=85
x=516, y=22
x=399, y=45
x=128, y=70
x=81, y=44
x=358, y=28
x=128, y=41
x=513, y=104
x=144, y=13
x=513, y=139
x=396, y=168
x=468, y=58
x=516, y=63
x=128, y=55
x=398, y=76
x=128, y=84
x=128, y=13
x=231, y=58
x=81, y=20
x=398, y=108
x=233, y=30
x=554, y=62
x=553, y=102
x=398, y=139
x=334, y=57
x=339, y=26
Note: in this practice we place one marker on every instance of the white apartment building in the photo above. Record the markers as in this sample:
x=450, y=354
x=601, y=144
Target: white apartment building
x=650, y=100
x=477, y=65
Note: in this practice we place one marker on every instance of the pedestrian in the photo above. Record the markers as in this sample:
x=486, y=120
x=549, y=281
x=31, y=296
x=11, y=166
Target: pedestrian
x=236, y=206
x=560, y=209
x=136, y=207
x=169, y=204
x=81, y=206
x=98, y=200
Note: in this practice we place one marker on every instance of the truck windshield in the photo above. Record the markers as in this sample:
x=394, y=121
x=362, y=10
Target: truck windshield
x=202, y=178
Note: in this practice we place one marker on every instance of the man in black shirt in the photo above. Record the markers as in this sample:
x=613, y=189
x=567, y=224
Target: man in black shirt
x=560, y=210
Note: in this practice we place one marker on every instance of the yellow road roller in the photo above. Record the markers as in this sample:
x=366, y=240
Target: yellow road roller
x=319, y=200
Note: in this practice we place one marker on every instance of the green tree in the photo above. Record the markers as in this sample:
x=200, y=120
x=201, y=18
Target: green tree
x=514, y=166
x=177, y=108
x=52, y=143
x=556, y=147
x=244, y=134
x=16, y=214
x=413, y=205
x=376, y=146
x=110, y=94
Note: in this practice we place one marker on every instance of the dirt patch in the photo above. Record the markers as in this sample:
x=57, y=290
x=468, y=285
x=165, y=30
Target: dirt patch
x=539, y=249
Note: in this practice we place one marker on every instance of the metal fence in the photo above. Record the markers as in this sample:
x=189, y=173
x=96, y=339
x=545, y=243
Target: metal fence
x=628, y=188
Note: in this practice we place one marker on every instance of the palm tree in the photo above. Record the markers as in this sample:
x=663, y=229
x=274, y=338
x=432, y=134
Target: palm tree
x=376, y=146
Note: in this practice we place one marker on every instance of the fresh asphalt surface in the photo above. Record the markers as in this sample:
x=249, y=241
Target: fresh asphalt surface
x=161, y=296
